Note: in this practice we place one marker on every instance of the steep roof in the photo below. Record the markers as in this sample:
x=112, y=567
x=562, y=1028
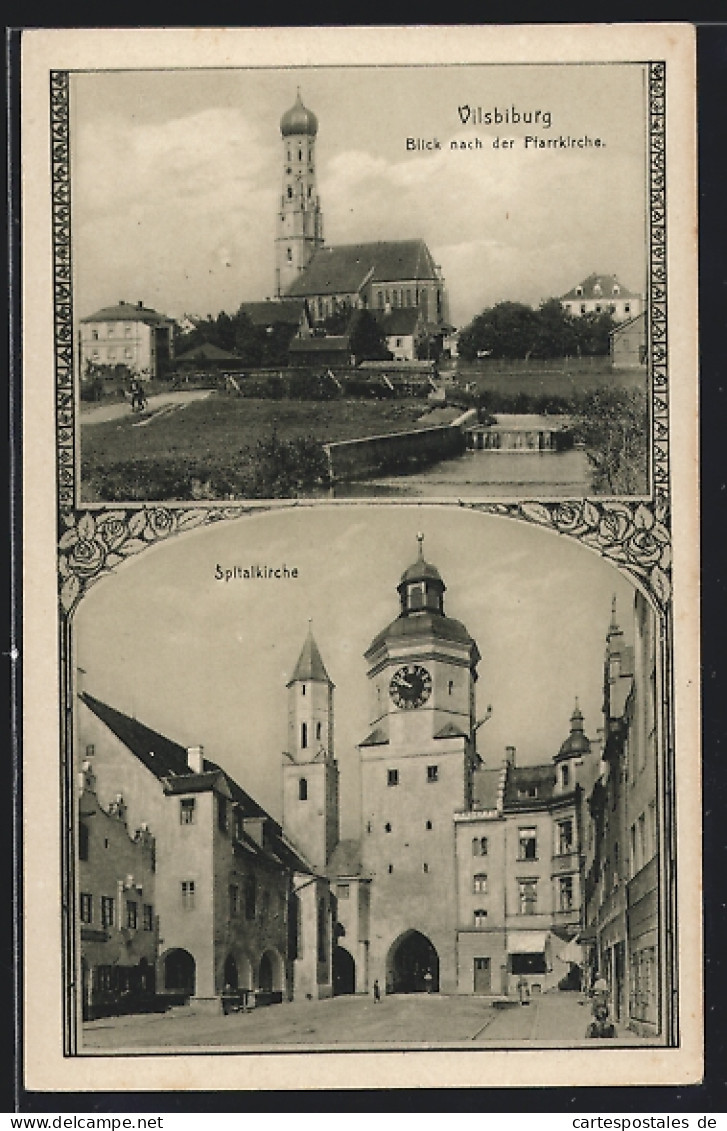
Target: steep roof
x=287, y=311
x=520, y=779
x=168, y=761
x=599, y=286
x=345, y=859
x=345, y=268
x=327, y=344
x=310, y=666
x=128, y=312
x=401, y=321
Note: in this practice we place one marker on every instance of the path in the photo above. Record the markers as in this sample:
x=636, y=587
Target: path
x=103, y=413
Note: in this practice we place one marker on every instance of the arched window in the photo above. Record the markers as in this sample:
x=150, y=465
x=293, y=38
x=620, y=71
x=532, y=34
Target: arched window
x=303, y=789
x=303, y=735
x=479, y=883
x=319, y=730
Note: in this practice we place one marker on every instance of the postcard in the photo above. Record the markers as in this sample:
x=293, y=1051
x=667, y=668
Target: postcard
x=360, y=506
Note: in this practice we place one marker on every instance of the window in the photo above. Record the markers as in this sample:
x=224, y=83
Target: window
x=565, y=893
x=94, y=335
x=238, y=825
x=597, y=289
x=528, y=844
x=303, y=735
x=425, y=867
x=319, y=731
x=303, y=789
x=131, y=914
x=627, y=308
x=479, y=883
x=598, y=308
x=479, y=846
x=480, y=917
x=222, y=814
x=83, y=842
x=565, y=776
x=147, y=917
x=90, y=750
x=525, y=791
x=250, y=897
x=86, y=907
x=302, y=689
x=233, y=893
x=391, y=868
x=387, y=827
x=186, y=811
x=107, y=911
x=634, y=863
x=643, y=855
x=428, y=826
x=527, y=896
x=290, y=197
x=187, y=889
x=579, y=290
x=392, y=777
x=583, y=308
x=565, y=837
x=432, y=773
x=450, y=687
x=343, y=891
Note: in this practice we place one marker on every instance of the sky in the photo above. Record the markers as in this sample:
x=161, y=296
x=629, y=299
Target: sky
x=177, y=174
x=206, y=662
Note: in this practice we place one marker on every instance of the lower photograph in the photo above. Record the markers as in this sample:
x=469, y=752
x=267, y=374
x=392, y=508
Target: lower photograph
x=369, y=777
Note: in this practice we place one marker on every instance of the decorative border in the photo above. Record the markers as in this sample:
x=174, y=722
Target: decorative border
x=634, y=534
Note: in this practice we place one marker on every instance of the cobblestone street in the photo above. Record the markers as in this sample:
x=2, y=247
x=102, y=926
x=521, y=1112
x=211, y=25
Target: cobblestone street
x=553, y=1020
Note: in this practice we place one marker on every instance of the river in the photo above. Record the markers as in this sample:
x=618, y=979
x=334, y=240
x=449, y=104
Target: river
x=477, y=474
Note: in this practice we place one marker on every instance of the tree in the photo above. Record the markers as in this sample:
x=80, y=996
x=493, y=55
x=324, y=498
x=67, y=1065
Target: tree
x=507, y=329
x=368, y=342
x=613, y=426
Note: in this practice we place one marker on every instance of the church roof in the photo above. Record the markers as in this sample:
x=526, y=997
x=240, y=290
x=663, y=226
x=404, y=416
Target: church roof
x=449, y=730
x=310, y=666
x=338, y=342
x=576, y=743
x=345, y=268
x=128, y=312
x=377, y=737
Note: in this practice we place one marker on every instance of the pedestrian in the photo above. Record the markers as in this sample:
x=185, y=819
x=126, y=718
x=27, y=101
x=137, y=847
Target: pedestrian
x=377, y=991
x=600, y=1026
x=428, y=981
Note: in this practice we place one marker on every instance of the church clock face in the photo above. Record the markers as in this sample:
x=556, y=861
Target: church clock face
x=410, y=686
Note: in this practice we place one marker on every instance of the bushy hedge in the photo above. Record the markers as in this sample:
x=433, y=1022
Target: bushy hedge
x=270, y=469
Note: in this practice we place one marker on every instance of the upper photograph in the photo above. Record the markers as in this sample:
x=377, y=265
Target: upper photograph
x=429, y=282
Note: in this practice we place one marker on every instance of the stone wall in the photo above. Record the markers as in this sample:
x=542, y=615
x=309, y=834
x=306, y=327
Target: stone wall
x=394, y=454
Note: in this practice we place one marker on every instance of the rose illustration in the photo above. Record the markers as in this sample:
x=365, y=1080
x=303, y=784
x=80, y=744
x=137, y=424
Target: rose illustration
x=161, y=522
x=113, y=530
x=568, y=517
x=86, y=557
x=614, y=526
x=644, y=548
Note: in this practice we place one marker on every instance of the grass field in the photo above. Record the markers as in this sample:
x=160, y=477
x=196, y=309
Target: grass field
x=548, y=383
x=224, y=432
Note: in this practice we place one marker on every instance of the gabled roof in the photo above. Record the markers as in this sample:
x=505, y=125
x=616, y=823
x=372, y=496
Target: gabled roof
x=521, y=778
x=589, y=289
x=206, y=351
x=287, y=312
x=346, y=268
x=167, y=760
x=128, y=312
x=310, y=666
x=449, y=730
x=399, y=322
x=339, y=342
x=377, y=737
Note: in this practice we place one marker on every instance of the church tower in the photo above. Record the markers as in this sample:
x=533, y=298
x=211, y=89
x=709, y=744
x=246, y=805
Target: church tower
x=416, y=772
x=299, y=228
x=310, y=771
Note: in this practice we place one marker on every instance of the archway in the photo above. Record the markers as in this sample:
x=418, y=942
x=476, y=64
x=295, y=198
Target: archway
x=270, y=974
x=344, y=971
x=180, y=975
x=412, y=966
x=230, y=973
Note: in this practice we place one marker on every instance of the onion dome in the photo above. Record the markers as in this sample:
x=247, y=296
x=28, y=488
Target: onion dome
x=298, y=120
x=427, y=577
x=576, y=744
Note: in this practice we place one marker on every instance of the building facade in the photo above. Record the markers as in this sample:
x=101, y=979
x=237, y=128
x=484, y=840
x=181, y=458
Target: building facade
x=130, y=335
x=602, y=294
x=623, y=861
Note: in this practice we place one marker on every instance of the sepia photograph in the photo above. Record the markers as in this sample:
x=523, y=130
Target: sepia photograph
x=361, y=569
x=424, y=281
x=354, y=799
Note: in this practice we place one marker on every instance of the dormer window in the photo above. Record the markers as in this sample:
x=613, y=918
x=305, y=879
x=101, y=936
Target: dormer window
x=597, y=289
x=579, y=291
x=526, y=791
x=616, y=289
